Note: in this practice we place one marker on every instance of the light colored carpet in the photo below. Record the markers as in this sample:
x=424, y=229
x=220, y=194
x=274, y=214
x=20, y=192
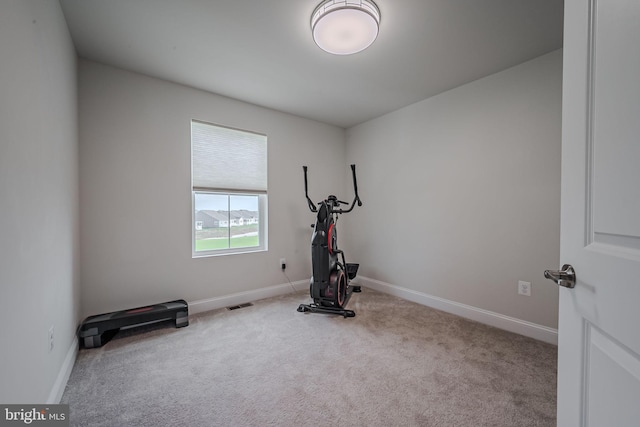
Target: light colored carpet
x=395, y=363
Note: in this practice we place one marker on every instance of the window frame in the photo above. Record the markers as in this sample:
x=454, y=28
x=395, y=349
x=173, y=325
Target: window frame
x=262, y=207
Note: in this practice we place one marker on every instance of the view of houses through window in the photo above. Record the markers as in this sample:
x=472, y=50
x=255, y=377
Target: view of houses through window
x=224, y=221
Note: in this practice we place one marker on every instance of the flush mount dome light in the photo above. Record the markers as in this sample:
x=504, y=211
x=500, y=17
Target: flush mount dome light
x=344, y=27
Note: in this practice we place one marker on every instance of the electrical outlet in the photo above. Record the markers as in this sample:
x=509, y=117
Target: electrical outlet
x=283, y=263
x=524, y=288
x=51, y=338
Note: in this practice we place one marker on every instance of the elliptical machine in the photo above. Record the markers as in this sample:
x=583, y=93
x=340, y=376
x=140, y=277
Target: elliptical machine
x=329, y=286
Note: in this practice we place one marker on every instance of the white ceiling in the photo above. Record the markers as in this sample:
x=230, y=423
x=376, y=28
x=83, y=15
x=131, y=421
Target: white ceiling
x=261, y=51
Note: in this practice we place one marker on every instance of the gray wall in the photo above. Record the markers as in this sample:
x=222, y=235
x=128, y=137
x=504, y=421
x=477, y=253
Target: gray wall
x=462, y=193
x=135, y=187
x=39, y=285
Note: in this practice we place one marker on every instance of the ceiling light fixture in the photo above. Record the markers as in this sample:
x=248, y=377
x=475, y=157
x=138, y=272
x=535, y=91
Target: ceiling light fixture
x=344, y=27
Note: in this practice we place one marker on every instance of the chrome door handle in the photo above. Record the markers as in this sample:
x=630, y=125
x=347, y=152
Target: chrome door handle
x=565, y=277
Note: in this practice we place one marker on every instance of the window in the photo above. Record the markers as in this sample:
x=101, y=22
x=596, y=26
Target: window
x=229, y=190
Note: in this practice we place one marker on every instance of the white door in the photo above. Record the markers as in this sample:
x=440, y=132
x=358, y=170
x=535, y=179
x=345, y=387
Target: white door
x=599, y=322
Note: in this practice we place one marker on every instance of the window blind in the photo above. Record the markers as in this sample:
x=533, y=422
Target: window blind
x=227, y=159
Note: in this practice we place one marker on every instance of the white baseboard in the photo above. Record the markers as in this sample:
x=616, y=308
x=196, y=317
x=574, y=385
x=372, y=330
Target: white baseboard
x=512, y=324
x=65, y=372
x=201, y=306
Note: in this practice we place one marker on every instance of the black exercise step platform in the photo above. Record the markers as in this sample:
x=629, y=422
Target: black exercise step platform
x=96, y=331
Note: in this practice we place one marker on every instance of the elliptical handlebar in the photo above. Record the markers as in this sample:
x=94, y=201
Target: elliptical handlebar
x=312, y=206
x=356, y=199
x=355, y=185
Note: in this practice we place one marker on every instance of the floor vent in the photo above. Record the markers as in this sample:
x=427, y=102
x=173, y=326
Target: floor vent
x=235, y=307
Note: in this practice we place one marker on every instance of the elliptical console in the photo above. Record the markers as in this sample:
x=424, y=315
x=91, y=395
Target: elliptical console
x=329, y=286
